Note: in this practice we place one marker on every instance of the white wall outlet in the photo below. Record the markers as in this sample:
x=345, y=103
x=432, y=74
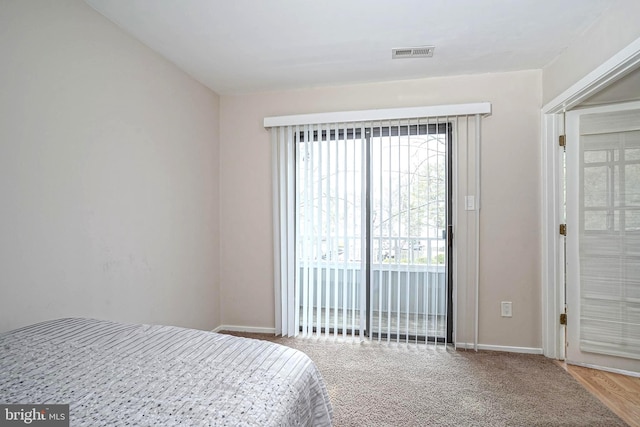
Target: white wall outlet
x=469, y=203
x=506, y=309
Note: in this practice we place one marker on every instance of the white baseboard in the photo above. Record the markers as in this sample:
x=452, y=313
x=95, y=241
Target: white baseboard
x=250, y=329
x=505, y=348
x=604, y=368
x=469, y=346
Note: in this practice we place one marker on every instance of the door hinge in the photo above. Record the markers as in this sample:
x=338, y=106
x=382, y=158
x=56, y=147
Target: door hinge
x=562, y=140
x=563, y=229
x=563, y=319
x=450, y=235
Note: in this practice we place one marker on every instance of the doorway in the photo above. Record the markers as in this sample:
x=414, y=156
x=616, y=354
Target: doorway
x=373, y=220
x=553, y=127
x=603, y=244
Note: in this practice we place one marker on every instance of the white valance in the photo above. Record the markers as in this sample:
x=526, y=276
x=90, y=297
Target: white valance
x=481, y=108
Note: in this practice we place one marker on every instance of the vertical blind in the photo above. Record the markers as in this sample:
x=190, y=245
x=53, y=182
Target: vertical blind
x=409, y=178
x=331, y=226
x=609, y=239
x=360, y=221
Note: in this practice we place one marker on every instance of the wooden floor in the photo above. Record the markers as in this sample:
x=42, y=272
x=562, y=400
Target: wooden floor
x=619, y=392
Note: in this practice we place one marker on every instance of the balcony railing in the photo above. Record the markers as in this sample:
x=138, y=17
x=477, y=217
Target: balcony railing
x=408, y=289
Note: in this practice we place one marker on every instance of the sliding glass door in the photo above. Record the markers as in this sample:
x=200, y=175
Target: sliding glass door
x=410, y=213
x=373, y=211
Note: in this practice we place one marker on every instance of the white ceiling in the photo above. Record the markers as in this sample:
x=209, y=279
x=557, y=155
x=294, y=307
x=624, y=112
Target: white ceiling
x=236, y=46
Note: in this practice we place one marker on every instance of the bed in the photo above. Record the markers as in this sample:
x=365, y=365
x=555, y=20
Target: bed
x=123, y=374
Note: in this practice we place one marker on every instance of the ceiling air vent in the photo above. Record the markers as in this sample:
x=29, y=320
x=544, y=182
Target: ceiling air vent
x=412, y=52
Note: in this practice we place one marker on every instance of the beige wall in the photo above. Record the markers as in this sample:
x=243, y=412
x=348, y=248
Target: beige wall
x=510, y=224
x=108, y=175
x=616, y=29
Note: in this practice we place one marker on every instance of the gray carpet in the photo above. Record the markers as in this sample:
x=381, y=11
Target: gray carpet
x=373, y=384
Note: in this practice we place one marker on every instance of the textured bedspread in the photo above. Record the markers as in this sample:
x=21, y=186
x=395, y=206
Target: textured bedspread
x=118, y=374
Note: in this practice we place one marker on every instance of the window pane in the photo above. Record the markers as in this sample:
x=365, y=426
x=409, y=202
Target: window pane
x=408, y=198
x=632, y=220
x=632, y=185
x=595, y=186
x=632, y=154
x=595, y=156
x=595, y=220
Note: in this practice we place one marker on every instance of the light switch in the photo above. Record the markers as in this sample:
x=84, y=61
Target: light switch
x=469, y=203
x=506, y=309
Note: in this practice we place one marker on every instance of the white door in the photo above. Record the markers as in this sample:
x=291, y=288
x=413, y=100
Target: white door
x=603, y=237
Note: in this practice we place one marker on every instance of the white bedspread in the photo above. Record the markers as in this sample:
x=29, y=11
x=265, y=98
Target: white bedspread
x=118, y=374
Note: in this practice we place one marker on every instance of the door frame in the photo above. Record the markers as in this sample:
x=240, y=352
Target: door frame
x=552, y=121
x=602, y=361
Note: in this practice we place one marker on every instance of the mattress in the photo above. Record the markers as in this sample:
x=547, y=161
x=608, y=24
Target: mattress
x=121, y=374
